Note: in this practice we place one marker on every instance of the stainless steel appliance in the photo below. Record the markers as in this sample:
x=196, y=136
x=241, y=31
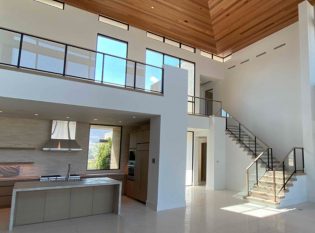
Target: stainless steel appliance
x=131, y=165
x=72, y=177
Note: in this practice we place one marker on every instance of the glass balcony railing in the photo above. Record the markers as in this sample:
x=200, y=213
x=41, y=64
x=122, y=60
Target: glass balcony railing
x=204, y=107
x=26, y=51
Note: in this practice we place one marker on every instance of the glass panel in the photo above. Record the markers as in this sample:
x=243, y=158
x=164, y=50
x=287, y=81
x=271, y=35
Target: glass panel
x=130, y=74
x=299, y=160
x=190, y=67
x=189, y=158
x=148, y=78
x=9, y=47
x=99, y=67
x=113, y=22
x=190, y=107
x=112, y=46
x=104, y=147
x=256, y=172
x=154, y=58
x=42, y=55
x=171, y=61
x=81, y=63
x=153, y=36
x=115, y=69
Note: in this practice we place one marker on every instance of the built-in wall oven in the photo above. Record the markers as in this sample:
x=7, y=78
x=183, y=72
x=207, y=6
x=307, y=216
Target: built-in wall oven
x=131, y=164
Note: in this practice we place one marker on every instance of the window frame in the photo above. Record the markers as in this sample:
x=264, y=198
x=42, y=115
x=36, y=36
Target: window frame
x=180, y=61
x=112, y=38
x=120, y=146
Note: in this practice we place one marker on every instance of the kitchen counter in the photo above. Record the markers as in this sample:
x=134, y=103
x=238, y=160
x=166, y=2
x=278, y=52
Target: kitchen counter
x=37, y=185
x=56, y=200
x=19, y=178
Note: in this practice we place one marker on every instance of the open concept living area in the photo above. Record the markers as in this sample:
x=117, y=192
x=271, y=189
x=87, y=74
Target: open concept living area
x=155, y=116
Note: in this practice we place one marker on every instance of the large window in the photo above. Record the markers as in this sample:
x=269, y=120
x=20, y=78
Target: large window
x=111, y=68
x=104, y=147
x=159, y=59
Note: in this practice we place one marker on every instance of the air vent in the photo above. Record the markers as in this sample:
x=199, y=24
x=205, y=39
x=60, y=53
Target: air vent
x=279, y=46
x=261, y=54
x=244, y=61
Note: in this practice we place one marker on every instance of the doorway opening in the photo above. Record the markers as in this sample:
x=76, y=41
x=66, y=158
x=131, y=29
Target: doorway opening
x=203, y=172
x=209, y=104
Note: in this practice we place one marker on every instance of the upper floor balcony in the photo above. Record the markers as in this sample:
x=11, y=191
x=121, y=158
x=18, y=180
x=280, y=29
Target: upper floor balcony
x=35, y=53
x=26, y=52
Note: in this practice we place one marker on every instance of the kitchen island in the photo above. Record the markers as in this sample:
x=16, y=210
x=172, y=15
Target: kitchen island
x=35, y=201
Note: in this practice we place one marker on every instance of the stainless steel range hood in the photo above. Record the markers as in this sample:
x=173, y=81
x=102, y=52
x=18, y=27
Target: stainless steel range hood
x=62, y=137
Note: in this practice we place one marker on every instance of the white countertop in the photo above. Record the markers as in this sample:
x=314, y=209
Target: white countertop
x=47, y=185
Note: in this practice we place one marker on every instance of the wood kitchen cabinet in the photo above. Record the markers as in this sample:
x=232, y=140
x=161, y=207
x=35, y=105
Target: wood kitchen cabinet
x=6, y=188
x=137, y=188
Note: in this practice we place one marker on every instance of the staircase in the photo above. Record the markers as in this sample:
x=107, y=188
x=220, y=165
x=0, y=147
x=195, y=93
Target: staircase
x=268, y=179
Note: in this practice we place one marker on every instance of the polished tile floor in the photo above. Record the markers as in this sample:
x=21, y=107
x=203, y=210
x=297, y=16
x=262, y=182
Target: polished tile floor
x=207, y=211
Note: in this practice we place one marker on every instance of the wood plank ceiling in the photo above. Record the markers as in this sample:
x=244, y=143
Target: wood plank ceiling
x=221, y=27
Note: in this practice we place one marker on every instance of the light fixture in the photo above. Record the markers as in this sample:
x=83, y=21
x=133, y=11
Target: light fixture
x=152, y=7
x=68, y=117
x=54, y=3
x=120, y=121
x=36, y=114
x=95, y=119
x=1, y=111
x=134, y=117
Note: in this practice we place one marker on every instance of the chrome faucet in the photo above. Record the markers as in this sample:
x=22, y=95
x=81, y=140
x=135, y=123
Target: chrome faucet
x=68, y=172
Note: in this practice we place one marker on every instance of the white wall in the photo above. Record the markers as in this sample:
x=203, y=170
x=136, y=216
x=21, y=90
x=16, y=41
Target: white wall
x=78, y=27
x=264, y=93
x=307, y=74
x=168, y=146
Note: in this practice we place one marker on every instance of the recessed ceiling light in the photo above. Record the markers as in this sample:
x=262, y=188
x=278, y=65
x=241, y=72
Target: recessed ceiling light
x=95, y=119
x=1, y=111
x=120, y=121
x=68, y=117
x=134, y=117
x=152, y=7
x=36, y=114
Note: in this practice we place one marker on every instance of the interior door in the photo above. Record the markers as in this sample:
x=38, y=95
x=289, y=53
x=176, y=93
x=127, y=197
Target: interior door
x=209, y=104
x=203, y=162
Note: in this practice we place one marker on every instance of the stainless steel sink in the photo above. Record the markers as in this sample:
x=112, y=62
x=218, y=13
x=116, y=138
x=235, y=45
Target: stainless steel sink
x=60, y=178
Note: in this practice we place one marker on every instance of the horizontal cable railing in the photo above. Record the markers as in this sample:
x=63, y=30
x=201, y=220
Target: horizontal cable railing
x=291, y=164
x=245, y=136
x=204, y=107
x=26, y=51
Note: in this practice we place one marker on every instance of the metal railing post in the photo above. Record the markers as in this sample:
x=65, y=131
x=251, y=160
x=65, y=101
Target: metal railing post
x=257, y=172
x=162, y=81
x=255, y=147
x=247, y=180
x=268, y=158
x=20, y=51
x=294, y=158
x=283, y=171
x=303, y=159
x=271, y=158
x=135, y=76
x=65, y=61
x=239, y=131
x=274, y=186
